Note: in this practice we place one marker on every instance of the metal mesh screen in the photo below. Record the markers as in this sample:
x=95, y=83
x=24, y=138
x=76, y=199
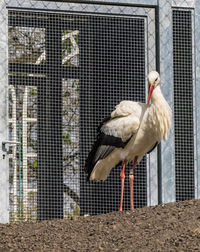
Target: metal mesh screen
x=117, y=72
x=183, y=104
x=66, y=73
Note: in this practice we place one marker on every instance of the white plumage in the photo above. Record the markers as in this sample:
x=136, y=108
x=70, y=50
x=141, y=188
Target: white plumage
x=132, y=130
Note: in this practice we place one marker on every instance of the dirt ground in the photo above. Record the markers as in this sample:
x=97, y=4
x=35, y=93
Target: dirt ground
x=170, y=227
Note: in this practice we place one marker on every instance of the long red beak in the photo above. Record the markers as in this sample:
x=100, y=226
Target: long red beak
x=151, y=88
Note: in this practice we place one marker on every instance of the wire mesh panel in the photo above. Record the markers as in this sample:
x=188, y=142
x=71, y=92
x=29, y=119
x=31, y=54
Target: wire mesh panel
x=35, y=58
x=66, y=73
x=115, y=55
x=183, y=104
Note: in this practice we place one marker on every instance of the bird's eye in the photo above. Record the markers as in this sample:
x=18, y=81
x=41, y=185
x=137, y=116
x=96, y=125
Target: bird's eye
x=156, y=79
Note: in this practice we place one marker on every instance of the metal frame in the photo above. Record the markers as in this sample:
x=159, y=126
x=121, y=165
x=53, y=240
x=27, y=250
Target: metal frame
x=149, y=15
x=197, y=93
x=56, y=5
x=167, y=171
x=4, y=178
x=194, y=104
x=183, y=3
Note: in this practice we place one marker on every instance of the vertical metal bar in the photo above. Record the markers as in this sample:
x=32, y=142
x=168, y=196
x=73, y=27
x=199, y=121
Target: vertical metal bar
x=151, y=58
x=194, y=104
x=159, y=163
x=197, y=93
x=167, y=167
x=4, y=178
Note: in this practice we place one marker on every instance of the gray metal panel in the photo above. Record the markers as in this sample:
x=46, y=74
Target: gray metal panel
x=194, y=103
x=83, y=8
x=183, y=3
x=166, y=71
x=197, y=94
x=134, y=2
x=152, y=181
x=4, y=178
x=61, y=5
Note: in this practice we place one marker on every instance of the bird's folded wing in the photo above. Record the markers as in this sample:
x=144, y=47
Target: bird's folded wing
x=115, y=131
x=126, y=108
x=125, y=120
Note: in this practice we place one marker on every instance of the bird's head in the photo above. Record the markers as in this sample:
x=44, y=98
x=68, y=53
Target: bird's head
x=153, y=81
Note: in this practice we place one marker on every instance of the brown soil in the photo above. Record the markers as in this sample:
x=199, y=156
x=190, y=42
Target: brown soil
x=170, y=227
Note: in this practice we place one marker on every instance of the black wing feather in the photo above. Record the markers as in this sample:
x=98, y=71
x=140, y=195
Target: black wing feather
x=102, y=147
x=102, y=123
x=102, y=152
x=153, y=148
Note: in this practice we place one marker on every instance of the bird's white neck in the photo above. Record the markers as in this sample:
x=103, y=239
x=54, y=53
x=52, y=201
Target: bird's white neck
x=160, y=113
x=157, y=95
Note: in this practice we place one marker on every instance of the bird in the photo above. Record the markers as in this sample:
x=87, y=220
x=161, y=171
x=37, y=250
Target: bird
x=132, y=130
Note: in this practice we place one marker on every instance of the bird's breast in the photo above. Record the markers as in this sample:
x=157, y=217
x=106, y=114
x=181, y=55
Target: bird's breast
x=149, y=132
x=141, y=144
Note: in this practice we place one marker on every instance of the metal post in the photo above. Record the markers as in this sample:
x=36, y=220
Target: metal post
x=4, y=178
x=167, y=169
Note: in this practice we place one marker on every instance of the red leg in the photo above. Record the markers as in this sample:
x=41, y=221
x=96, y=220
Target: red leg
x=131, y=179
x=122, y=184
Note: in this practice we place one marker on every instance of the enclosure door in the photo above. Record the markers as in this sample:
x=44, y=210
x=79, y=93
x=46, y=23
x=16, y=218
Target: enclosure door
x=66, y=73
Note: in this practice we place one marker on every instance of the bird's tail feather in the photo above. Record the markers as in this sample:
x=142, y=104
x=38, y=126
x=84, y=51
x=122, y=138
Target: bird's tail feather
x=104, y=166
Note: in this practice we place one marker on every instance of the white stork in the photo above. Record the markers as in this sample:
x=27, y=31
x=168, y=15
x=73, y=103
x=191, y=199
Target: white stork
x=132, y=130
